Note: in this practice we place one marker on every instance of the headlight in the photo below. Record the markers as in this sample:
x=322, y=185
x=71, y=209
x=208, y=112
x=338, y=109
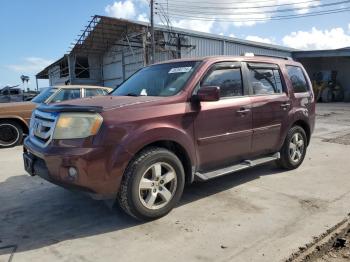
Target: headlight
x=77, y=125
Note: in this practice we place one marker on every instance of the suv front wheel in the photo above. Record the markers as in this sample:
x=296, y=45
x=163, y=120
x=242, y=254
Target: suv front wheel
x=152, y=184
x=294, y=148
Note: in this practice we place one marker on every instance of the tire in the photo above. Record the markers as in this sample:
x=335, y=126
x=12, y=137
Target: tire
x=11, y=134
x=155, y=167
x=290, y=160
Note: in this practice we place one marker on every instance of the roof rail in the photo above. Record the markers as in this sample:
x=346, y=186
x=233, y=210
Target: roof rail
x=272, y=56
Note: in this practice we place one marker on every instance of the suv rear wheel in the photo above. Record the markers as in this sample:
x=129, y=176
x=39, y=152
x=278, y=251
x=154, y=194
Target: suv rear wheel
x=152, y=184
x=11, y=134
x=294, y=148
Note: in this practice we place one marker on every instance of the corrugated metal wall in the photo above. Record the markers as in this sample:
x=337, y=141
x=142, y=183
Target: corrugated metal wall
x=207, y=47
x=119, y=62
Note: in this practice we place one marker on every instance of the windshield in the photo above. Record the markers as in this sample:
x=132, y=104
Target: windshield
x=44, y=95
x=158, y=80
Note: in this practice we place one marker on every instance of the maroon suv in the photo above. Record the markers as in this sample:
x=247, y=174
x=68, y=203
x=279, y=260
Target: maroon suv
x=173, y=123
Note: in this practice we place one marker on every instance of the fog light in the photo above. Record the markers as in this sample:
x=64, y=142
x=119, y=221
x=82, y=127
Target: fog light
x=72, y=173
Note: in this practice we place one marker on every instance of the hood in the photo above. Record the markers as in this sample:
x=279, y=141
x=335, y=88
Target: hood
x=113, y=102
x=16, y=107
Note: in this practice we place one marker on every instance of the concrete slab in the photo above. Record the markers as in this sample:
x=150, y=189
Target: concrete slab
x=262, y=214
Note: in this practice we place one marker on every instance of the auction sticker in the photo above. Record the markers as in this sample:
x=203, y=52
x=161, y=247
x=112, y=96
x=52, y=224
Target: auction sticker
x=176, y=70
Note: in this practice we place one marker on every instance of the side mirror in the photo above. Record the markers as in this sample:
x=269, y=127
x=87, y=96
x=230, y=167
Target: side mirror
x=208, y=93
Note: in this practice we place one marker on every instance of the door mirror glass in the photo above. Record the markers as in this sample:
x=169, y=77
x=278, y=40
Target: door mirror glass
x=208, y=93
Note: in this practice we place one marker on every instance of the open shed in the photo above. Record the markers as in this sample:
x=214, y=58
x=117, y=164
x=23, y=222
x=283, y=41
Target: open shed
x=326, y=61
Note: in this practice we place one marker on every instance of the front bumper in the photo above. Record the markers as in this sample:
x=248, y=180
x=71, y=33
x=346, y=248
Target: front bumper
x=97, y=173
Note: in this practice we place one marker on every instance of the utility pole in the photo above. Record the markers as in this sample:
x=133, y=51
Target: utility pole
x=153, y=47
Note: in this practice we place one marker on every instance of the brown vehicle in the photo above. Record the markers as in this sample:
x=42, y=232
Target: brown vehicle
x=171, y=124
x=14, y=117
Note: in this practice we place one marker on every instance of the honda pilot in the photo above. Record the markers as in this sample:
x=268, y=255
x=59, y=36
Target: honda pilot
x=171, y=124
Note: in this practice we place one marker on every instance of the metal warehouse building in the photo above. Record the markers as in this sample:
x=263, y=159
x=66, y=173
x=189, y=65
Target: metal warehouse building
x=109, y=50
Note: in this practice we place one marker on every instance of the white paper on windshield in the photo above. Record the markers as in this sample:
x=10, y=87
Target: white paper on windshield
x=176, y=70
x=143, y=92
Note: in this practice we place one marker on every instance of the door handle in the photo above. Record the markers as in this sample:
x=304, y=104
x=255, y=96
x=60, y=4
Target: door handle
x=243, y=110
x=285, y=105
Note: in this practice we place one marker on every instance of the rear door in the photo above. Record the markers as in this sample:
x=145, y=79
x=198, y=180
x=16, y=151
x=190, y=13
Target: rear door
x=270, y=106
x=223, y=128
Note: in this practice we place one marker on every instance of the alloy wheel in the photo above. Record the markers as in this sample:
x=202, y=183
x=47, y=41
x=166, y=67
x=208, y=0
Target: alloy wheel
x=157, y=185
x=296, y=147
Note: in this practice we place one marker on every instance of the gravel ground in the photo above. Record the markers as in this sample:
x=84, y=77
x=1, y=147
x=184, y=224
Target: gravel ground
x=340, y=252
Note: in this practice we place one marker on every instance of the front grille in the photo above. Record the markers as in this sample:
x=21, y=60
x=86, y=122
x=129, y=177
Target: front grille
x=42, y=127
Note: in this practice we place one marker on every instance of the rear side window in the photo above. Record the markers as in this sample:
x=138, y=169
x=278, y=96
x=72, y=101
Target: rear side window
x=265, y=81
x=228, y=79
x=94, y=92
x=298, y=79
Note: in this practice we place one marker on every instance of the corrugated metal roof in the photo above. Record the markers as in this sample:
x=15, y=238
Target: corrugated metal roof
x=323, y=53
x=104, y=30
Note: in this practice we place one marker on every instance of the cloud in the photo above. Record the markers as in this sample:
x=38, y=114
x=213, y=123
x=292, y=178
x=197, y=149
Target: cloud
x=121, y=9
x=143, y=17
x=202, y=26
x=318, y=39
x=31, y=65
x=304, y=6
x=259, y=39
x=238, y=14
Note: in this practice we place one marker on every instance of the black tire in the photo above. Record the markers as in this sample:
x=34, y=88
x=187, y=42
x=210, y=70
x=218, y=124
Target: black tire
x=130, y=197
x=11, y=134
x=286, y=161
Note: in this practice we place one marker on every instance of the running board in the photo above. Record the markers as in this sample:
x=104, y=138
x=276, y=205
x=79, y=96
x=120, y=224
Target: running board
x=231, y=169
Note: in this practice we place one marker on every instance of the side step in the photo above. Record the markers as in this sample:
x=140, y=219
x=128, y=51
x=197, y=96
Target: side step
x=231, y=169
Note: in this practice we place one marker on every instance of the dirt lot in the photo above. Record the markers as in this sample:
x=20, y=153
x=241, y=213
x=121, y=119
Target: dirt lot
x=262, y=214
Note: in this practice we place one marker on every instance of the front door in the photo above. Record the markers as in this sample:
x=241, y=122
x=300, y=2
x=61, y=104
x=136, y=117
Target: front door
x=270, y=107
x=223, y=129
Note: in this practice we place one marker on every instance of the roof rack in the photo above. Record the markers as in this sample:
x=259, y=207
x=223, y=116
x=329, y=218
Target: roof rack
x=272, y=56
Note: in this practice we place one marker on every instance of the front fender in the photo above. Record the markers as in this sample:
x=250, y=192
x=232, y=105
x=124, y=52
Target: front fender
x=135, y=141
x=148, y=135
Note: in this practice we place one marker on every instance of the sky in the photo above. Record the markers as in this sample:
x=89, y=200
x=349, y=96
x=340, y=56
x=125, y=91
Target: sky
x=33, y=34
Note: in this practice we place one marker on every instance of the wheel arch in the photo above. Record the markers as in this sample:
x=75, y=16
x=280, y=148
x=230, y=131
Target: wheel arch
x=18, y=120
x=175, y=139
x=179, y=151
x=305, y=125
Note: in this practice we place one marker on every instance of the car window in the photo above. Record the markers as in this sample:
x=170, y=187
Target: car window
x=66, y=94
x=228, y=79
x=158, y=80
x=44, y=95
x=298, y=79
x=265, y=81
x=94, y=92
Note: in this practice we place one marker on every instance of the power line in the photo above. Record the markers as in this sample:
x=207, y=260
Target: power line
x=201, y=6
x=216, y=3
x=201, y=18
x=213, y=12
